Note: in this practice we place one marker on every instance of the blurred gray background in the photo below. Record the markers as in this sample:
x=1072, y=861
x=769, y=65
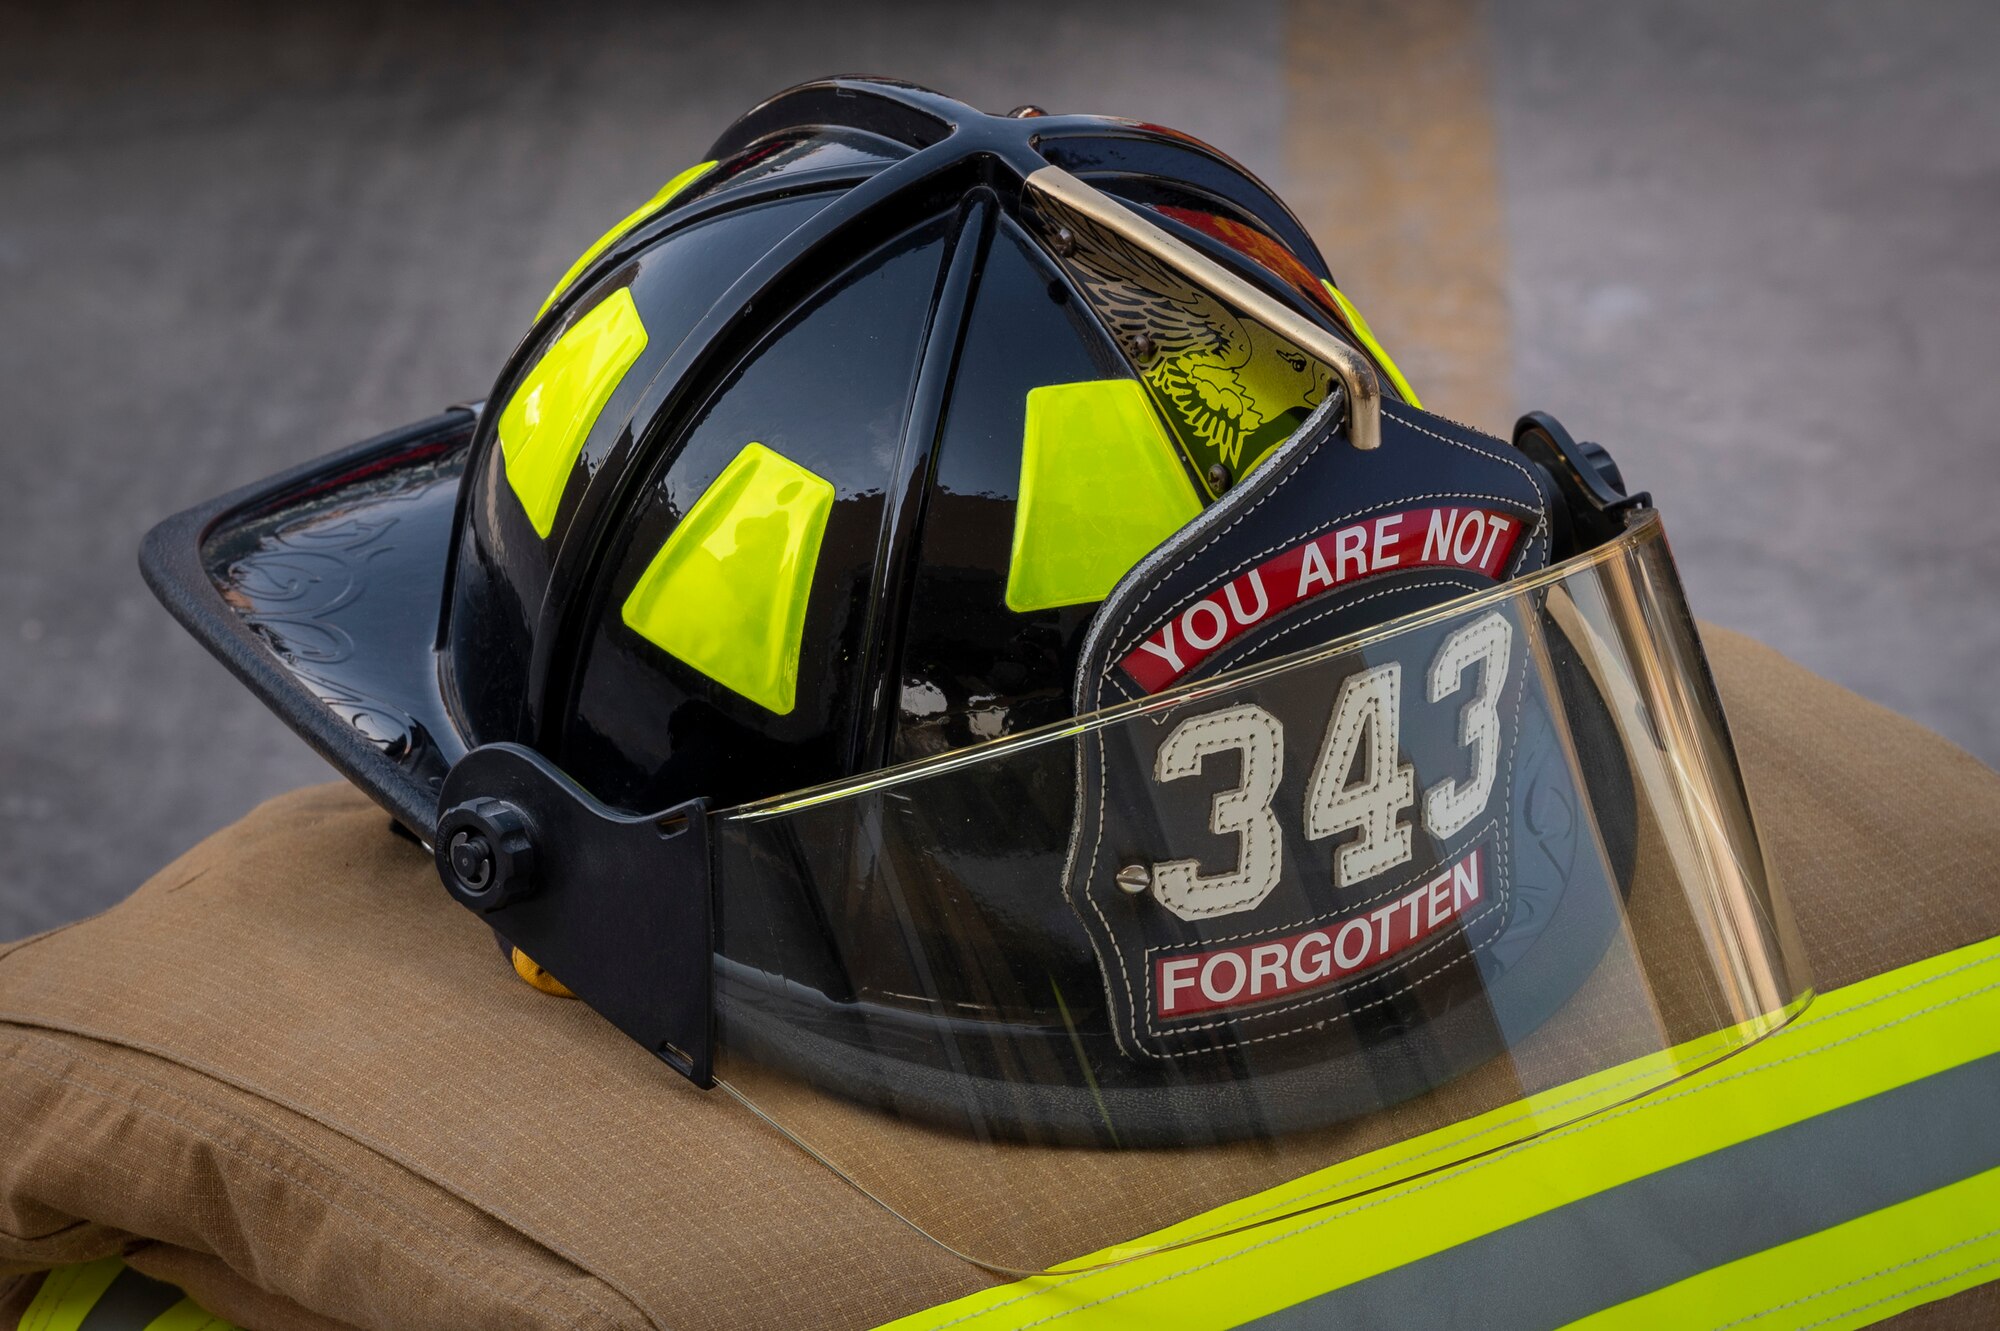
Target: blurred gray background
x=1752, y=248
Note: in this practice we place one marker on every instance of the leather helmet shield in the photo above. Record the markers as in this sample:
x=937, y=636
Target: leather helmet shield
x=1434, y=514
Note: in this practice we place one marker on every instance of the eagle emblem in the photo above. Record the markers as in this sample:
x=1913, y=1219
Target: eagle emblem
x=1230, y=388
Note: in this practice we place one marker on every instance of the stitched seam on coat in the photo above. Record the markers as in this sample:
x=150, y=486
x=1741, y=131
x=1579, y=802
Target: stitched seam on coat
x=31, y=1022
x=307, y=1185
x=270, y=1136
x=1444, y=1177
x=1907, y=1290
x=1875, y=1275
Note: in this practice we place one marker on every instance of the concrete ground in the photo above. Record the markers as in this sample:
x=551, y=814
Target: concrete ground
x=1752, y=248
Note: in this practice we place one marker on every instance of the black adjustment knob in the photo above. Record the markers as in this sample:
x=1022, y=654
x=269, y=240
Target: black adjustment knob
x=1606, y=466
x=485, y=853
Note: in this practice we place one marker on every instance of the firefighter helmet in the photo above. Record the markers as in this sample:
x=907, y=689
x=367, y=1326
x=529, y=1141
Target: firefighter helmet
x=959, y=612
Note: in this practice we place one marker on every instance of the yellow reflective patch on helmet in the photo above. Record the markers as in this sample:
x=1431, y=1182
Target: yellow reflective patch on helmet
x=632, y=219
x=1359, y=327
x=543, y=429
x=727, y=592
x=1101, y=485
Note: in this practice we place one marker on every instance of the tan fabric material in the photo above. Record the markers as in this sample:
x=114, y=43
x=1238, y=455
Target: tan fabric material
x=292, y=1077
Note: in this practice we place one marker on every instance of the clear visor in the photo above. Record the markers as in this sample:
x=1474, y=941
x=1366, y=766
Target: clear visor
x=1264, y=943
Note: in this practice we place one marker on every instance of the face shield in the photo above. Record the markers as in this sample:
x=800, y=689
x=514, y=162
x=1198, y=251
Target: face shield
x=1363, y=913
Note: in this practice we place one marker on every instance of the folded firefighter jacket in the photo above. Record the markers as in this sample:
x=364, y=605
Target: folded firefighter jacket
x=289, y=1078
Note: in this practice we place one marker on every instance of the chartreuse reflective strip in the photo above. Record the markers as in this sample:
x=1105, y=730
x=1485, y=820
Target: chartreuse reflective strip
x=1101, y=485
x=68, y=1293
x=107, y=1295
x=1841, y=1170
x=1852, y=1274
x=727, y=592
x=543, y=429
x=645, y=210
x=1359, y=327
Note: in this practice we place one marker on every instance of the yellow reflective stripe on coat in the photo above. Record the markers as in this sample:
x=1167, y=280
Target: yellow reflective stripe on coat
x=1869, y=1268
x=187, y=1315
x=1828, y=1175
x=68, y=1293
x=645, y=210
x=107, y=1295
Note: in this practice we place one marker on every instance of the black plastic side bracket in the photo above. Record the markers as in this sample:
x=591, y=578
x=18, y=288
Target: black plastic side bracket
x=1594, y=502
x=619, y=907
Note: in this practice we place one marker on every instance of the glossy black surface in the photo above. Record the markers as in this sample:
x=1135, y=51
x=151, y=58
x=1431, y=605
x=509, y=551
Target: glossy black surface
x=318, y=588
x=972, y=669
x=830, y=391
x=807, y=184
x=800, y=161
x=503, y=566
x=342, y=587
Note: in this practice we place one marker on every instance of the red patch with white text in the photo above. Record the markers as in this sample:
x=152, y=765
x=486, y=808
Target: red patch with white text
x=1475, y=539
x=1186, y=984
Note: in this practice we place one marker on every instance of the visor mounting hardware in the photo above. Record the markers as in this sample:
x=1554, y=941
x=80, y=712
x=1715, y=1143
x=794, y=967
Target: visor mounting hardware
x=485, y=854
x=1063, y=242
x=1135, y=880
x=471, y=861
x=1144, y=348
x=652, y=975
x=1219, y=478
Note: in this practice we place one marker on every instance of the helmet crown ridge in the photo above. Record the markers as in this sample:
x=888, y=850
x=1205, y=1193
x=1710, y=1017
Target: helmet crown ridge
x=732, y=472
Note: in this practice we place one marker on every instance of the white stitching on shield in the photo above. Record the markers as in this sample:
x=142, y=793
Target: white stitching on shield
x=1314, y=921
x=1273, y=846
x=1540, y=528
x=1124, y=648
x=1070, y=881
x=1346, y=912
x=1223, y=659
x=1502, y=864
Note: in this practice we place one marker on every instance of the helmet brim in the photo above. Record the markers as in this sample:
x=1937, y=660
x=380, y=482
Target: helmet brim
x=321, y=589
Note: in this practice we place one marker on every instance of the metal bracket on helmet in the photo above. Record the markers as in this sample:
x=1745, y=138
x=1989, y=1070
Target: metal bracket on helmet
x=619, y=907
x=1057, y=188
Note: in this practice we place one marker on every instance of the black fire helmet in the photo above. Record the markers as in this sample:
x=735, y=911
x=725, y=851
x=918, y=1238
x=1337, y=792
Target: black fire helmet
x=959, y=611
